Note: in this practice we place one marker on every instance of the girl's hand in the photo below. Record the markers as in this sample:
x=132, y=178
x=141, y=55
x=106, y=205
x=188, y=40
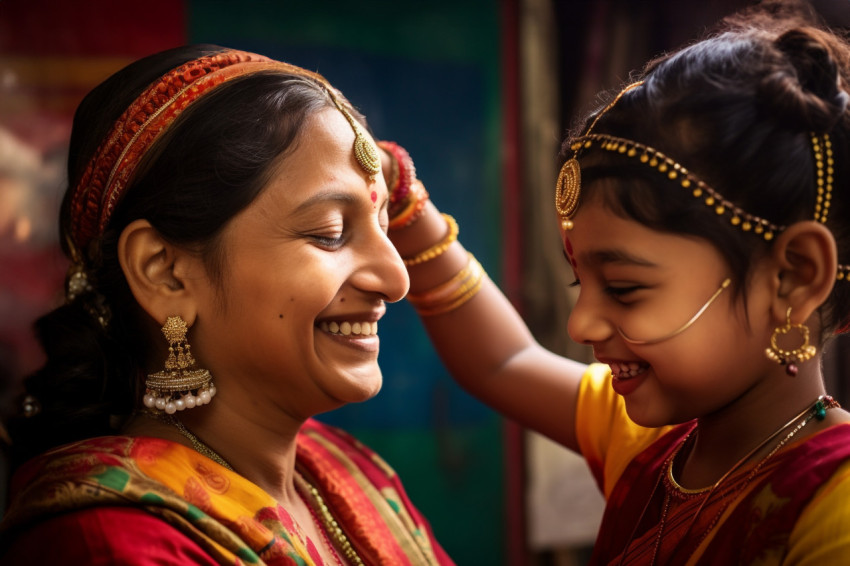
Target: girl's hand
x=407, y=194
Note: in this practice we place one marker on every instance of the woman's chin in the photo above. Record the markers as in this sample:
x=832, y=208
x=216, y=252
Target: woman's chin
x=357, y=389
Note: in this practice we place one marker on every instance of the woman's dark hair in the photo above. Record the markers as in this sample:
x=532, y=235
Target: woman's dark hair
x=738, y=109
x=209, y=165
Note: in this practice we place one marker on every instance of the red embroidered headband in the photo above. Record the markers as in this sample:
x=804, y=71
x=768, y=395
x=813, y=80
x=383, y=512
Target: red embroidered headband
x=114, y=162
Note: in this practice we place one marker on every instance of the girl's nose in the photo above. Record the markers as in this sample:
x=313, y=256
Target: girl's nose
x=586, y=324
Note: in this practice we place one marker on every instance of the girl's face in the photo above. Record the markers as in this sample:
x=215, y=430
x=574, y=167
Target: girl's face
x=308, y=270
x=648, y=284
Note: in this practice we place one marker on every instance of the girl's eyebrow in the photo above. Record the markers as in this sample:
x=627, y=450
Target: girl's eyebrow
x=607, y=256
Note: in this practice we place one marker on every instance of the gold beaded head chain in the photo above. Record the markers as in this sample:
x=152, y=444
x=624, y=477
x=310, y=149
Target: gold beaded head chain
x=568, y=189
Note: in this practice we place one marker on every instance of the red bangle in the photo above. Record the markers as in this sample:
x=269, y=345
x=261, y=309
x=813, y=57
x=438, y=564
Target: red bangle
x=406, y=171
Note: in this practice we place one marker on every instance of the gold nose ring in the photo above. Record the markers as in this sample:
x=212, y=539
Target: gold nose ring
x=726, y=283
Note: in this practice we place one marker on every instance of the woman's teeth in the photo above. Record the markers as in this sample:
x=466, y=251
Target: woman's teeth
x=350, y=328
x=625, y=370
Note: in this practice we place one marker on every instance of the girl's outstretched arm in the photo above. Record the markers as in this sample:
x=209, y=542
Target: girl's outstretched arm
x=483, y=342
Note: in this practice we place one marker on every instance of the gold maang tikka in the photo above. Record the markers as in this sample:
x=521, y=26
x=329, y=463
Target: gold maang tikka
x=568, y=187
x=365, y=151
x=180, y=385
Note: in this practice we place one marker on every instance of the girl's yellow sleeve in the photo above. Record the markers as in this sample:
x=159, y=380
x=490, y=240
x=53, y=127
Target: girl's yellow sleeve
x=607, y=438
x=822, y=533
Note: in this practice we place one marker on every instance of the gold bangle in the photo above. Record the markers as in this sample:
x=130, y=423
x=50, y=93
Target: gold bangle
x=475, y=286
x=440, y=247
x=451, y=294
x=444, y=290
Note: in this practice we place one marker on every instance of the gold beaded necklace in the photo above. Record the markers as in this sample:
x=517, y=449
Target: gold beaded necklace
x=317, y=506
x=311, y=496
x=197, y=445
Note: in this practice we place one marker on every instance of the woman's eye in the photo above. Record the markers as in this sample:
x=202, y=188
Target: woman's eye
x=384, y=218
x=575, y=283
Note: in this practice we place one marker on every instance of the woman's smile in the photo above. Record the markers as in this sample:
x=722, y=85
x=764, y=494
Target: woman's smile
x=362, y=335
x=353, y=329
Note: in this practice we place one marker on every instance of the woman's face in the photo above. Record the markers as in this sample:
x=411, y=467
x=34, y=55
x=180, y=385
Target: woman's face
x=308, y=270
x=647, y=284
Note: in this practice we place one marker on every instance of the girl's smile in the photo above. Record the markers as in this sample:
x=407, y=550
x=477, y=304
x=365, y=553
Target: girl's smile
x=626, y=377
x=623, y=370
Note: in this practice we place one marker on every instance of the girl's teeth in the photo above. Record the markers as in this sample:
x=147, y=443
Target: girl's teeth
x=346, y=328
x=630, y=369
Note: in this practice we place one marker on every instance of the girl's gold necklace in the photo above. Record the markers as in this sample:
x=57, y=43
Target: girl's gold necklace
x=817, y=410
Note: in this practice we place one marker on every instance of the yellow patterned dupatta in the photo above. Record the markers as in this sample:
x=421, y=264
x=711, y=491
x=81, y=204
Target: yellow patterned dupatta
x=232, y=519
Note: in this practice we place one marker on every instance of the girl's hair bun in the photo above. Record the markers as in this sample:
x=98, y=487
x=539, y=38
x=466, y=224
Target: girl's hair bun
x=804, y=87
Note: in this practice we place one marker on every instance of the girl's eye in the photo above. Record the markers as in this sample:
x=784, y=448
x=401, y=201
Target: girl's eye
x=621, y=292
x=329, y=242
x=575, y=283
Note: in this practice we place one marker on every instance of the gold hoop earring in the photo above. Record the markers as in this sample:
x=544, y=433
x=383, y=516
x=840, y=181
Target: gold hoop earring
x=180, y=385
x=790, y=358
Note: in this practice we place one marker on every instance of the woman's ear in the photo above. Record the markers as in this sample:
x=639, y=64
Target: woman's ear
x=156, y=272
x=807, y=258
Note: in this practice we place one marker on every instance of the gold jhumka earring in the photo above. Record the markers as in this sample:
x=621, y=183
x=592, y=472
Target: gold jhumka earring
x=790, y=358
x=180, y=385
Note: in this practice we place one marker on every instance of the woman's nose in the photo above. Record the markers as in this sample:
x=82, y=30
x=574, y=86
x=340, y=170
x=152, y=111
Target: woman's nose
x=386, y=273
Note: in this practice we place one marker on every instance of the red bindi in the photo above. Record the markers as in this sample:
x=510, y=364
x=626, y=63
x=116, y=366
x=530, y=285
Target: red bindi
x=374, y=196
